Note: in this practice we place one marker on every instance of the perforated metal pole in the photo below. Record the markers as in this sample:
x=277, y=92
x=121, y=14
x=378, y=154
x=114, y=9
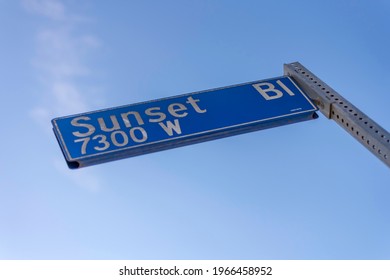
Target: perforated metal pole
x=335, y=107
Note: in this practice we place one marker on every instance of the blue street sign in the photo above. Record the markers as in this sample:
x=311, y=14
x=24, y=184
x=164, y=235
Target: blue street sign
x=131, y=130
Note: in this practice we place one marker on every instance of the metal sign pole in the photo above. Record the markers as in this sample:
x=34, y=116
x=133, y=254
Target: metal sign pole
x=375, y=138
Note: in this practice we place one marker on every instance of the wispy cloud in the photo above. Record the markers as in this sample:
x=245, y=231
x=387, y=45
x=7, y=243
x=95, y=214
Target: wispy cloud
x=59, y=61
x=52, y=9
x=86, y=179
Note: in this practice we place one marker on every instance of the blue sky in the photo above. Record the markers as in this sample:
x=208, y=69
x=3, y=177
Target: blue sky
x=304, y=191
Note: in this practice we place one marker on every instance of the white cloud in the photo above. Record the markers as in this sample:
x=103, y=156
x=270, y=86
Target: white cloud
x=60, y=55
x=68, y=98
x=90, y=41
x=52, y=9
x=41, y=116
x=60, y=61
x=85, y=179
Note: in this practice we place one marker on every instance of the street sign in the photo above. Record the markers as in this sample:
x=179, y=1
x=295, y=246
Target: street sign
x=136, y=129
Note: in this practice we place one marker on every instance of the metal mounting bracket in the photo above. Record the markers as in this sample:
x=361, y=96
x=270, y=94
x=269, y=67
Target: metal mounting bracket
x=375, y=138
